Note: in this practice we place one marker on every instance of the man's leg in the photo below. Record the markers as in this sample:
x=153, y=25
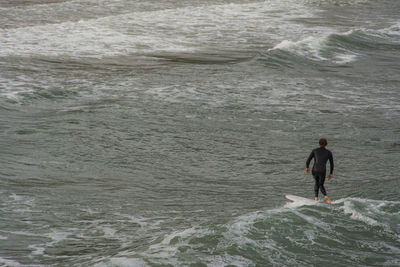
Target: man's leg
x=321, y=184
x=316, y=186
x=322, y=187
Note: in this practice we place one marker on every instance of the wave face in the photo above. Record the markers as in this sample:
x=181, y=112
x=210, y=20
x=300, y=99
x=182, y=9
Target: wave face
x=167, y=133
x=333, y=48
x=298, y=234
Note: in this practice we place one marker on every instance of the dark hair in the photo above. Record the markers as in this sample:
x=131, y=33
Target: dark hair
x=323, y=142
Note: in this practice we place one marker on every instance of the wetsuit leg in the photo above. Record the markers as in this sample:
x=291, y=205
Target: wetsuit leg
x=319, y=183
x=316, y=185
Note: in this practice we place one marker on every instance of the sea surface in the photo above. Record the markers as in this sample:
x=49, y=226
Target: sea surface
x=167, y=133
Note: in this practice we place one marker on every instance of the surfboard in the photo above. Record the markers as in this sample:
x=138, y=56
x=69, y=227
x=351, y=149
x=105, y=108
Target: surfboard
x=299, y=201
x=303, y=200
x=297, y=198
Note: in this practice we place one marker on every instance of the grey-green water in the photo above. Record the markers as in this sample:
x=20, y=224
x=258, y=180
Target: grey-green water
x=138, y=133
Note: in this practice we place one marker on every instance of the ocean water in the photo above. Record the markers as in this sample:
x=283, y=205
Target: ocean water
x=167, y=133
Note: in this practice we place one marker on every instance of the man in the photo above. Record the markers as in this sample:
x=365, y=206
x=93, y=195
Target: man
x=321, y=155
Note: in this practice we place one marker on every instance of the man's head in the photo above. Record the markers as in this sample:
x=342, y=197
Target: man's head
x=323, y=142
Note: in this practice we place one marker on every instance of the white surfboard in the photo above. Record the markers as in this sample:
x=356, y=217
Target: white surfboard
x=297, y=198
x=299, y=201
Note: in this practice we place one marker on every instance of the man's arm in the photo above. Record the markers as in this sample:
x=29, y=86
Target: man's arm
x=308, y=161
x=332, y=166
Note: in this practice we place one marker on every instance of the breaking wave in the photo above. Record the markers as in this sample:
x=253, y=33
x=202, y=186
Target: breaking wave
x=333, y=48
x=292, y=235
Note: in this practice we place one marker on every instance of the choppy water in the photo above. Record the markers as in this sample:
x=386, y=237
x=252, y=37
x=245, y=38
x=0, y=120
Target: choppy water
x=148, y=133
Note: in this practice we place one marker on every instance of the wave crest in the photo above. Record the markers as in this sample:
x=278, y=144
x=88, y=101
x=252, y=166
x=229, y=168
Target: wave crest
x=334, y=48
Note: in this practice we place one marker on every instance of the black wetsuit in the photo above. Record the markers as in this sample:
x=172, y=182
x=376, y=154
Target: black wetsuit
x=321, y=155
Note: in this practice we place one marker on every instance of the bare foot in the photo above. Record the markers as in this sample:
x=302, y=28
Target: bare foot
x=327, y=200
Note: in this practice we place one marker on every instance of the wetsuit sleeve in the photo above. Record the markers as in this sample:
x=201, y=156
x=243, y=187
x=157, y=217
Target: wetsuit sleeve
x=331, y=163
x=309, y=159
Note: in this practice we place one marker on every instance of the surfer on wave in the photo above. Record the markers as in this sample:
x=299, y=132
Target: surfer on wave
x=321, y=155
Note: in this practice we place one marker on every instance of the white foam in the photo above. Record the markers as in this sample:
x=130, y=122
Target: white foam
x=57, y=236
x=168, y=238
x=9, y=263
x=37, y=250
x=339, y=2
x=122, y=262
x=369, y=212
x=109, y=232
x=375, y=202
x=313, y=46
x=310, y=236
x=242, y=224
x=239, y=232
x=393, y=30
x=133, y=219
x=227, y=259
x=13, y=263
x=21, y=203
x=180, y=30
x=23, y=233
x=310, y=46
x=345, y=58
x=166, y=251
x=371, y=207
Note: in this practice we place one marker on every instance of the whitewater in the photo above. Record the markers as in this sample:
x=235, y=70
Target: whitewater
x=148, y=133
